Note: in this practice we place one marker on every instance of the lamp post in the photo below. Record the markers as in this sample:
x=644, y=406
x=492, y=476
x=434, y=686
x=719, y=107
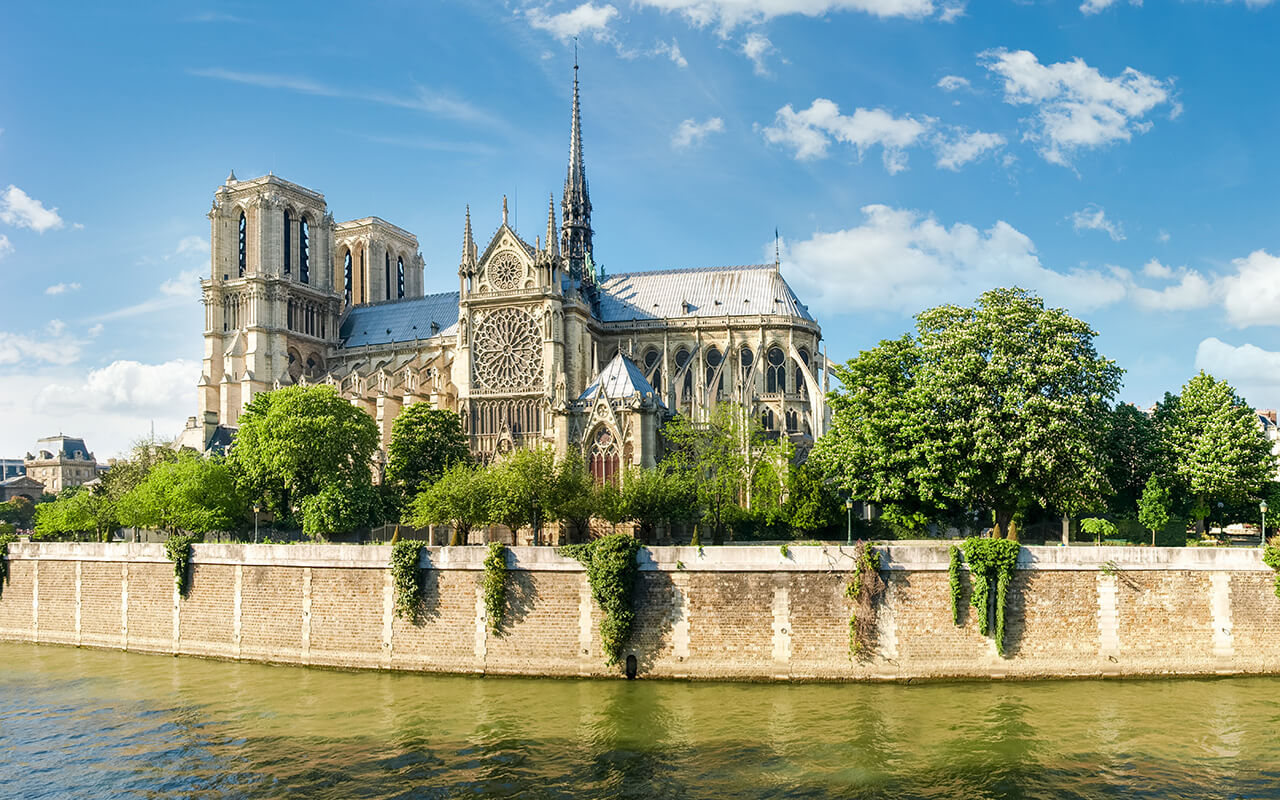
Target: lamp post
x=256, y=510
x=848, y=519
x=1263, y=508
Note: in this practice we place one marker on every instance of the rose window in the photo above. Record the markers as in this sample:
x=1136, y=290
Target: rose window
x=507, y=351
x=505, y=272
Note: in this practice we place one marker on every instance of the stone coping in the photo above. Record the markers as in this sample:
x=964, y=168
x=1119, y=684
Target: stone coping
x=917, y=557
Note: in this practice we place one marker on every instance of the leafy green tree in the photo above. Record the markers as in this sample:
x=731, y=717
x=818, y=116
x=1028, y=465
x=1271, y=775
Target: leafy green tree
x=1098, y=528
x=523, y=489
x=1219, y=452
x=424, y=443
x=295, y=441
x=1132, y=455
x=19, y=511
x=460, y=498
x=1153, y=507
x=336, y=509
x=814, y=506
x=575, y=497
x=194, y=494
x=658, y=496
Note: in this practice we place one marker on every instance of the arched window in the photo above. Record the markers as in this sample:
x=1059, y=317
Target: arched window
x=651, y=367
x=288, y=250
x=801, y=386
x=387, y=280
x=244, y=243
x=304, y=252
x=682, y=358
x=604, y=457
x=746, y=358
x=346, y=278
x=399, y=276
x=775, y=380
x=766, y=419
x=715, y=378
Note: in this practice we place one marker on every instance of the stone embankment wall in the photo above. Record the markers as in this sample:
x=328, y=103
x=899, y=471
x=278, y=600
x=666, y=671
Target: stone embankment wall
x=727, y=612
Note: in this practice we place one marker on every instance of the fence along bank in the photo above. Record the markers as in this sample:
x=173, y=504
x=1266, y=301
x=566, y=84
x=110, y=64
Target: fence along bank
x=752, y=613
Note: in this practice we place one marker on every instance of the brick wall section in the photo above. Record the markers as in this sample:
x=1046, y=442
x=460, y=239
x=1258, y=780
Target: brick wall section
x=737, y=613
x=15, y=601
x=271, y=614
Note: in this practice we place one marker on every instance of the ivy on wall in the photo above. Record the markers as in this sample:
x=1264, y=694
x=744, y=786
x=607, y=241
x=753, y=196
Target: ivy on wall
x=957, y=590
x=990, y=561
x=406, y=577
x=1271, y=557
x=5, y=539
x=495, y=586
x=865, y=587
x=611, y=572
x=178, y=548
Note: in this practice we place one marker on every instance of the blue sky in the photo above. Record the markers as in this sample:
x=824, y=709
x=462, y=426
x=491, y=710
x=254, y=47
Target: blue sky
x=1115, y=157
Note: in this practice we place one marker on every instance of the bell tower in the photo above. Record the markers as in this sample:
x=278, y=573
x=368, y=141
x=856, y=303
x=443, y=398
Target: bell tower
x=575, y=206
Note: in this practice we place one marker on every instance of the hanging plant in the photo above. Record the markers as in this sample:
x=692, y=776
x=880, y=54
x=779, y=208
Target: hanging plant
x=1271, y=557
x=178, y=548
x=864, y=589
x=406, y=577
x=5, y=539
x=991, y=561
x=611, y=572
x=953, y=576
x=495, y=586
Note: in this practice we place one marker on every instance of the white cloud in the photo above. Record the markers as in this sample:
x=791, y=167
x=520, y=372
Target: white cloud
x=1077, y=108
x=128, y=386
x=963, y=146
x=5, y=246
x=185, y=285
x=180, y=290
x=951, y=83
x=1252, y=371
x=1163, y=236
x=55, y=327
x=587, y=18
x=21, y=210
x=809, y=131
x=62, y=288
x=901, y=260
x=692, y=132
x=756, y=47
x=1252, y=295
x=672, y=51
x=1098, y=6
x=95, y=330
x=195, y=245
x=1094, y=218
x=52, y=347
x=1192, y=289
x=729, y=14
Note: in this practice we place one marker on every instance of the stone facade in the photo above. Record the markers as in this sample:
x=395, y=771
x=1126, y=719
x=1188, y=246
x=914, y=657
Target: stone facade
x=539, y=345
x=61, y=462
x=747, y=613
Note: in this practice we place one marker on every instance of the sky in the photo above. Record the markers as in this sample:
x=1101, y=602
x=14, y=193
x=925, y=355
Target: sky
x=1114, y=157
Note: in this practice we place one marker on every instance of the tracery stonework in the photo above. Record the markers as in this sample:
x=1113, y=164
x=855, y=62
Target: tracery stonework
x=507, y=351
x=505, y=272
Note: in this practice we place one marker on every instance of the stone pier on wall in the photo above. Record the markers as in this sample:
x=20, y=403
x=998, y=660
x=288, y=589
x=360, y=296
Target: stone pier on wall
x=748, y=613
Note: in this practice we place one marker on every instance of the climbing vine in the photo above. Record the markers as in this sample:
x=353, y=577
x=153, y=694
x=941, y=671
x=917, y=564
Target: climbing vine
x=495, y=586
x=611, y=572
x=406, y=577
x=991, y=560
x=5, y=539
x=1271, y=557
x=957, y=591
x=178, y=548
x=865, y=587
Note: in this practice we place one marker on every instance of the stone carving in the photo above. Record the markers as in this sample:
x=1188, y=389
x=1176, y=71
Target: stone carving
x=505, y=272
x=507, y=351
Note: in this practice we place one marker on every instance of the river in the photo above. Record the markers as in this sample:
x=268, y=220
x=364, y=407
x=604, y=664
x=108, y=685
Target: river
x=89, y=723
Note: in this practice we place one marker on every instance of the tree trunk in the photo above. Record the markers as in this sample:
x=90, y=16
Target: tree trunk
x=1003, y=521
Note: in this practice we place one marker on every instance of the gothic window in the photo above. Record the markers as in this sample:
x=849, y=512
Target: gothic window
x=244, y=243
x=792, y=422
x=505, y=272
x=363, y=296
x=775, y=380
x=387, y=277
x=801, y=386
x=604, y=457
x=288, y=253
x=651, y=366
x=766, y=419
x=507, y=351
x=304, y=252
x=715, y=378
x=746, y=358
x=346, y=278
x=399, y=276
x=682, y=358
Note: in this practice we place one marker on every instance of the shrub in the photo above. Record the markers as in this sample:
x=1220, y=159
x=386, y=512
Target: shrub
x=611, y=572
x=406, y=577
x=178, y=548
x=991, y=560
x=495, y=586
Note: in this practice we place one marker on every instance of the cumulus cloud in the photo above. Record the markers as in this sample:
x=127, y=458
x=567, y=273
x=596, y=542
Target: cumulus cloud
x=962, y=147
x=1077, y=107
x=5, y=246
x=62, y=288
x=587, y=18
x=1191, y=289
x=1094, y=218
x=730, y=14
x=129, y=386
x=692, y=132
x=21, y=210
x=901, y=260
x=53, y=346
x=192, y=245
x=1253, y=371
x=952, y=83
x=757, y=47
x=810, y=131
x=1251, y=296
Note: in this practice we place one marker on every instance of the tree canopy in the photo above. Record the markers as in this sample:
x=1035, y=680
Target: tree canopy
x=424, y=443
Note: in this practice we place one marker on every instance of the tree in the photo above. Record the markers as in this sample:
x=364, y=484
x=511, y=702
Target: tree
x=813, y=505
x=424, y=443
x=1132, y=455
x=336, y=509
x=193, y=494
x=1217, y=448
x=295, y=441
x=658, y=496
x=714, y=454
x=523, y=489
x=19, y=511
x=460, y=498
x=575, y=497
x=1004, y=407
x=1153, y=507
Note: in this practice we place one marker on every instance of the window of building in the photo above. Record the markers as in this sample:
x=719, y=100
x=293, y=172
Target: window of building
x=386, y=280
x=288, y=249
x=244, y=243
x=715, y=378
x=346, y=278
x=775, y=380
x=304, y=252
x=604, y=457
x=651, y=358
x=399, y=276
x=800, y=384
x=682, y=358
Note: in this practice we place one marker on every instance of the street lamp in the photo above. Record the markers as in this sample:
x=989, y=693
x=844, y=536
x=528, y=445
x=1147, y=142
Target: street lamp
x=1263, y=508
x=848, y=515
x=257, y=508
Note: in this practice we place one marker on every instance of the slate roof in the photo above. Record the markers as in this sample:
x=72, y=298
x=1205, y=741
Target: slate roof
x=65, y=446
x=704, y=292
x=399, y=320
x=620, y=378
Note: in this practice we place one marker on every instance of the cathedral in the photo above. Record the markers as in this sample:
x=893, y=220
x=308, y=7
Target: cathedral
x=538, y=347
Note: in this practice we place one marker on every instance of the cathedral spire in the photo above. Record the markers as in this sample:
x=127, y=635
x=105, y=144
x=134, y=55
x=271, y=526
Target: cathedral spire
x=575, y=207
x=468, y=244
x=552, y=250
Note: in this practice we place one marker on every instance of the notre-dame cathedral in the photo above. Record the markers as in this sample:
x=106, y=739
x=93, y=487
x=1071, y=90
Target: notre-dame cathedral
x=537, y=347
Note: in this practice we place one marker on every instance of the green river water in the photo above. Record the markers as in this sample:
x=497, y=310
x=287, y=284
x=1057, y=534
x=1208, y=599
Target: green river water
x=86, y=723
